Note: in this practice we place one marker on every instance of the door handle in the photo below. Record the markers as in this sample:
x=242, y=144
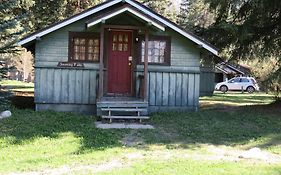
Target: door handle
x=130, y=58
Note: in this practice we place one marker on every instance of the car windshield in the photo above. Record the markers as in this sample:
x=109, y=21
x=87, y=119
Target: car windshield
x=253, y=81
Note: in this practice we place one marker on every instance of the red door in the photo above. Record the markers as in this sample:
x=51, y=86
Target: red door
x=119, y=66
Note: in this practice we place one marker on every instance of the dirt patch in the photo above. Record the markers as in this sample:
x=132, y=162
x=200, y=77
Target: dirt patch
x=133, y=139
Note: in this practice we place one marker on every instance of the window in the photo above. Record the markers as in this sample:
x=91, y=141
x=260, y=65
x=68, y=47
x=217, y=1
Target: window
x=84, y=46
x=244, y=80
x=159, y=50
x=121, y=44
x=234, y=80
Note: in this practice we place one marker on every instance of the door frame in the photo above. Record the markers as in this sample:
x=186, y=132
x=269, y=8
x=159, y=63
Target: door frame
x=131, y=31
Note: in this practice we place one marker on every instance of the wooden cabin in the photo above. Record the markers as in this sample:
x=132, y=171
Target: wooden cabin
x=117, y=55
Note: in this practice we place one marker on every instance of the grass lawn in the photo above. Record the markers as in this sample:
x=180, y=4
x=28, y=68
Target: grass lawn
x=210, y=141
x=17, y=86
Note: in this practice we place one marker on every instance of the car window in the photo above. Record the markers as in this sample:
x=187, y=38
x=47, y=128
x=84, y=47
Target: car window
x=244, y=80
x=234, y=80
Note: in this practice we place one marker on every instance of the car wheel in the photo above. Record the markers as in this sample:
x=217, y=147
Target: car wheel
x=223, y=88
x=250, y=89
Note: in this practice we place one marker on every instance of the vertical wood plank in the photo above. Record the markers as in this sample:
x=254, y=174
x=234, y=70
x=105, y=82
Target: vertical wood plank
x=37, y=85
x=184, y=89
x=178, y=89
x=72, y=84
x=93, y=80
x=196, y=89
x=85, y=86
x=159, y=87
x=172, y=89
x=191, y=90
x=165, y=89
x=50, y=85
x=152, y=88
x=147, y=87
x=57, y=85
x=65, y=86
x=78, y=87
x=43, y=85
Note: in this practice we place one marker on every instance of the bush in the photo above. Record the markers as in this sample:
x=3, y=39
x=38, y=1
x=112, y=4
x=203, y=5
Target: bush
x=5, y=102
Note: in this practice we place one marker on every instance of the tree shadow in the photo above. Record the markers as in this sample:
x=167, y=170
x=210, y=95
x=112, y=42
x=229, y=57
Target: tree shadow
x=28, y=125
x=237, y=127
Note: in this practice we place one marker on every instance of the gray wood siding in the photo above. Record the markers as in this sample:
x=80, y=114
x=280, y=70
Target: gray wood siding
x=184, y=53
x=180, y=89
x=65, y=86
x=207, y=81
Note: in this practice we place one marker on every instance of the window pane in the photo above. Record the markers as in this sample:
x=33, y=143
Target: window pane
x=120, y=47
x=96, y=42
x=156, y=51
x=114, y=38
x=114, y=48
x=91, y=42
x=90, y=49
x=95, y=57
x=82, y=41
x=76, y=41
x=126, y=38
x=120, y=38
x=125, y=47
x=90, y=57
x=96, y=50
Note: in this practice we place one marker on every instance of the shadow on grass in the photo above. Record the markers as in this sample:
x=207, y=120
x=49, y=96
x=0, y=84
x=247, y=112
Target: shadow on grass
x=27, y=125
x=237, y=127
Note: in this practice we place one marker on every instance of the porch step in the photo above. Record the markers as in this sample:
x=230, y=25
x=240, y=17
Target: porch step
x=125, y=117
x=122, y=104
x=122, y=108
x=140, y=118
x=125, y=109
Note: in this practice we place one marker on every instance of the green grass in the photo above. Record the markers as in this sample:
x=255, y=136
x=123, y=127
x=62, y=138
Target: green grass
x=182, y=143
x=237, y=99
x=192, y=167
x=17, y=86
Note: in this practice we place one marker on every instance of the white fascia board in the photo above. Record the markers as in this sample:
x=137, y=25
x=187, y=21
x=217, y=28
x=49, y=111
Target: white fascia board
x=67, y=22
x=221, y=70
x=172, y=26
x=235, y=69
x=134, y=12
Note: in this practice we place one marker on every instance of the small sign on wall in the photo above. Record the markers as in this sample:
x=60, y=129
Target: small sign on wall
x=70, y=64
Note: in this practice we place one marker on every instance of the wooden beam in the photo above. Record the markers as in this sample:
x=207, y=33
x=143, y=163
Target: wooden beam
x=100, y=95
x=127, y=27
x=146, y=66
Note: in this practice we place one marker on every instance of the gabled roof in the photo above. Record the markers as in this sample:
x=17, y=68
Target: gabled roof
x=228, y=69
x=122, y=9
x=141, y=8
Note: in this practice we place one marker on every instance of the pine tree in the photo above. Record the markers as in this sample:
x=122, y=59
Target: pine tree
x=182, y=17
x=162, y=7
x=11, y=25
x=13, y=15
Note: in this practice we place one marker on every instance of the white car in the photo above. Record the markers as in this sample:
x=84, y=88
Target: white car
x=239, y=83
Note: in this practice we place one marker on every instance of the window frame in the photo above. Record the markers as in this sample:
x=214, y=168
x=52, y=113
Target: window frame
x=167, y=55
x=87, y=36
